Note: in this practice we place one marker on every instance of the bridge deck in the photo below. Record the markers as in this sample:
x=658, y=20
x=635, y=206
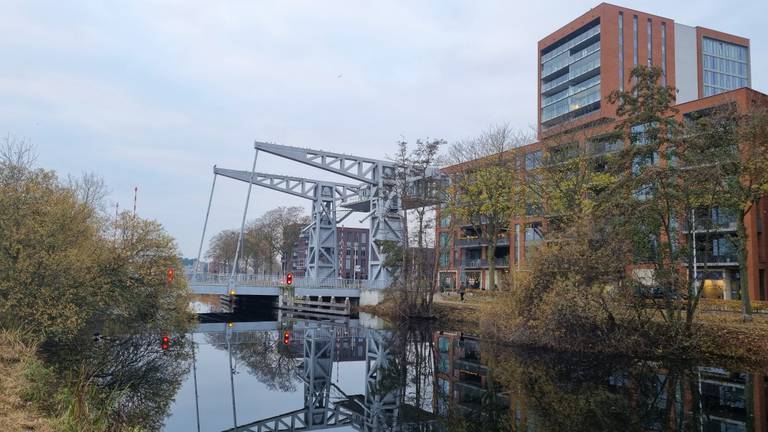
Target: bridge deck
x=272, y=285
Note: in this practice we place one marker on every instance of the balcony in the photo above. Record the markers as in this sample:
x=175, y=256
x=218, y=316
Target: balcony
x=475, y=242
x=501, y=262
x=594, y=31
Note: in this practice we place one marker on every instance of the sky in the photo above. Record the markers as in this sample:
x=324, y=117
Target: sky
x=152, y=94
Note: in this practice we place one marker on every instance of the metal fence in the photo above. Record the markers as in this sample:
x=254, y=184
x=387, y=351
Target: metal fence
x=280, y=280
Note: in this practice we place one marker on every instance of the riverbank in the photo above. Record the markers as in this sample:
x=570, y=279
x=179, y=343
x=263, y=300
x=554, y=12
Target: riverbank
x=720, y=332
x=18, y=409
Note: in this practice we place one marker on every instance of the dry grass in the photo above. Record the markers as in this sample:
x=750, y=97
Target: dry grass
x=16, y=414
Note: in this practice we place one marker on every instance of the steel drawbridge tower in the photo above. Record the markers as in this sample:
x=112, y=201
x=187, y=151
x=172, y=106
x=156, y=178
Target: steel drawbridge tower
x=376, y=195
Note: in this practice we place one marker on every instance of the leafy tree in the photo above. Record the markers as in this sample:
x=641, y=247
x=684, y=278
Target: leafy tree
x=221, y=250
x=62, y=264
x=648, y=198
x=485, y=193
x=266, y=238
x=134, y=266
x=725, y=153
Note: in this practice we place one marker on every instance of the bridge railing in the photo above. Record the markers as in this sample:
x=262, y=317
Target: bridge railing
x=261, y=280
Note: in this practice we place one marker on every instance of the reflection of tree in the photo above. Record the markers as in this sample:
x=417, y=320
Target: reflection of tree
x=131, y=381
x=408, y=375
x=267, y=359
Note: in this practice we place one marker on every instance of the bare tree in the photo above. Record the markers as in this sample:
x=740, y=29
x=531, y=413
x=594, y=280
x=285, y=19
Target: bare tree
x=90, y=189
x=495, y=140
x=420, y=188
x=17, y=158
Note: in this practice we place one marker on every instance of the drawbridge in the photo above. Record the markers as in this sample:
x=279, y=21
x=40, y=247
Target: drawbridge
x=373, y=190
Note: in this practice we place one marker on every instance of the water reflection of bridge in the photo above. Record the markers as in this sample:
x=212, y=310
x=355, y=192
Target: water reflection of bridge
x=319, y=345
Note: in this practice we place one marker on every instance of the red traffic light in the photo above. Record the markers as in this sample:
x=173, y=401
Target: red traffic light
x=166, y=342
x=286, y=337
x=169, y=274
x=289, y=279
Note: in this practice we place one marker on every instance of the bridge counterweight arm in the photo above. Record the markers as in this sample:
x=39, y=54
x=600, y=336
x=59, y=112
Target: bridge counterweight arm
x=363, y=169
x=296, y=186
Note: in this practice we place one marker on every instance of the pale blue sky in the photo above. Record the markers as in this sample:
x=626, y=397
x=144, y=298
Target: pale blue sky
x=152, y=94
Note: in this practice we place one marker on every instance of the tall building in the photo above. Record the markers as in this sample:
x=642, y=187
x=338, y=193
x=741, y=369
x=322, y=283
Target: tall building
x=352, y=252
x=579, y=65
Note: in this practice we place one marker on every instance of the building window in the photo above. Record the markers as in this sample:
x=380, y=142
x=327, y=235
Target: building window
x=634, y=40
x=641, y=161
x=621, y=51
x=650, y=41
x=445, y=258
x=725, y=66
x=664, y=54
x=445, y=217
x=445, y=239
x=533, y=237
x=533, y=160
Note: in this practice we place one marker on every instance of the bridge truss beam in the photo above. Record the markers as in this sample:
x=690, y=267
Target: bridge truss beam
x=322, y=253
x=385, y=204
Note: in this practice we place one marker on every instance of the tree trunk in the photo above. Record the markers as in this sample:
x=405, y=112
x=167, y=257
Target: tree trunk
x=490, y=256
x=743, y=256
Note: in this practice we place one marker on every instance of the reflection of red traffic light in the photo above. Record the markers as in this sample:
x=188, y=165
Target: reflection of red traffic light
x=286, y=337
x=289, y=279
x=166, y=342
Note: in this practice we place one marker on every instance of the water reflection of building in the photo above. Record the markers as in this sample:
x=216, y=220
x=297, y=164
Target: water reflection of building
x=733, y=401
x=711, y=399
x=462, y=381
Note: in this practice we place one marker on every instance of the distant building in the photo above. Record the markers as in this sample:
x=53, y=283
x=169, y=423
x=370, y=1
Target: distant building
x=352, y=252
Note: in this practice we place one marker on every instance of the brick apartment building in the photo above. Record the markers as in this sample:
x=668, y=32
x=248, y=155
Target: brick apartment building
x=579, y=65
x=352, y=247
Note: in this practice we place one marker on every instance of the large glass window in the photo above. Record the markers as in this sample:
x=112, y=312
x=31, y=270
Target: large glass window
x=621, y=51
x=568, y=67
x=650, y=41
x=445, y=258
x=634, y=40
x=663, y=53
x=725, y=66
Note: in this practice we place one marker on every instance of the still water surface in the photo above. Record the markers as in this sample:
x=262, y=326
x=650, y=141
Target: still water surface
x=272, y=371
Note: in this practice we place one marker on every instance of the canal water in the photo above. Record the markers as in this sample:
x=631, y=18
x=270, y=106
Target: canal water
x=273, y=371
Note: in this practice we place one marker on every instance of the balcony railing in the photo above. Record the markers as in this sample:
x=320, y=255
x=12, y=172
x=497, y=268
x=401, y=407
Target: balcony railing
x=571, y=43
x=716, y=259
x=501, y=262
x=704, y=226
x=474, y=262
x=483, y=263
